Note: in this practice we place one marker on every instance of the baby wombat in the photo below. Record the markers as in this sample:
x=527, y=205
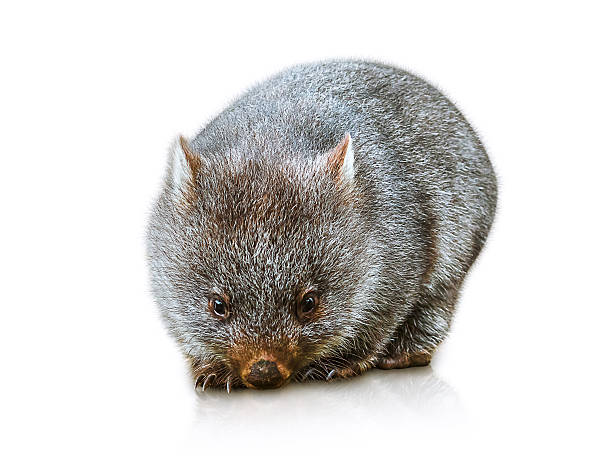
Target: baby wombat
x=319, y=226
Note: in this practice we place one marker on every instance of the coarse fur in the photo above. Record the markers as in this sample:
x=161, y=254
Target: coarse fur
x=354, y=179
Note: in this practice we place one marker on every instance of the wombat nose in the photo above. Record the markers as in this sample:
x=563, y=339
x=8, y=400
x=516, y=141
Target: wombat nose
x=265, y=374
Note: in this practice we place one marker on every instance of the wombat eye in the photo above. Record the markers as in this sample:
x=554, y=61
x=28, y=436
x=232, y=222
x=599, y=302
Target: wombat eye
x=218, y=307
x=307, y=305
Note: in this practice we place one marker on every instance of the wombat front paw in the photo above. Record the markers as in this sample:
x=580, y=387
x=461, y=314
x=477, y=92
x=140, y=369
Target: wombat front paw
x=342, y=373
x=211, y=375
x=352, y=371
x=400, y=361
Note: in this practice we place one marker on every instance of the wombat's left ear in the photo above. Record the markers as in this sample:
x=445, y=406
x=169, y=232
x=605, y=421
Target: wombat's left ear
x=340, y=161
x=184, y=164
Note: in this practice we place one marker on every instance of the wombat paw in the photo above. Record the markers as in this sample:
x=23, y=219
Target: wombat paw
x=211, y=376
x=400, y=361
x=341, y=373
x=346, y=372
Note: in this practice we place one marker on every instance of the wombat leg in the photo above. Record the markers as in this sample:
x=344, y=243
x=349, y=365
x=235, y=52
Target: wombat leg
x=424, y=329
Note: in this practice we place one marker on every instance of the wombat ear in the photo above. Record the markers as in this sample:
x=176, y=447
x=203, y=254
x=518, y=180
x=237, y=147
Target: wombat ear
x=340, y=161
x=184, y=164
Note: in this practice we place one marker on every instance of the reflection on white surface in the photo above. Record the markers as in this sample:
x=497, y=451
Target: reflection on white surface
x=408, y=398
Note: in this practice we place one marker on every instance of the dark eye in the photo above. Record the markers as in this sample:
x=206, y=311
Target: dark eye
x=218, y=307
x=307, y=305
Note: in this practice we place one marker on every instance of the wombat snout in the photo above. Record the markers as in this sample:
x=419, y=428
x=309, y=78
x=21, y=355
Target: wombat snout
x=265, y=374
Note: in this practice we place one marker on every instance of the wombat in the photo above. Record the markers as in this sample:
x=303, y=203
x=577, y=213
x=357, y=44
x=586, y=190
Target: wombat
x=320, y=226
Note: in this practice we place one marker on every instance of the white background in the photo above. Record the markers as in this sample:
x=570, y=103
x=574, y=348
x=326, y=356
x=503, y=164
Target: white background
x=91, y=96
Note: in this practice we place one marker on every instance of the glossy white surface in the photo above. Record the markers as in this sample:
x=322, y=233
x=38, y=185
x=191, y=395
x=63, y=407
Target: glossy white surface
x=91, y=98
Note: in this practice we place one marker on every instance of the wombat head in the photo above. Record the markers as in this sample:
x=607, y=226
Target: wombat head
x=256, y=261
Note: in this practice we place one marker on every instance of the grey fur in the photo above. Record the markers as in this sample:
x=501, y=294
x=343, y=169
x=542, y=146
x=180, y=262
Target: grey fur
x=259, y=219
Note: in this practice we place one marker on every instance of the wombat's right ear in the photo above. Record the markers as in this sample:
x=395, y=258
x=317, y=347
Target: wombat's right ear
x=340, y=161
x=184, y=164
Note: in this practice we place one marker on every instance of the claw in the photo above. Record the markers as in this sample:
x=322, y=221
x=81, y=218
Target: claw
x=308, y=372
x=228, y=385
x=208, y=380
x=198, y=381
x=330, y=375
